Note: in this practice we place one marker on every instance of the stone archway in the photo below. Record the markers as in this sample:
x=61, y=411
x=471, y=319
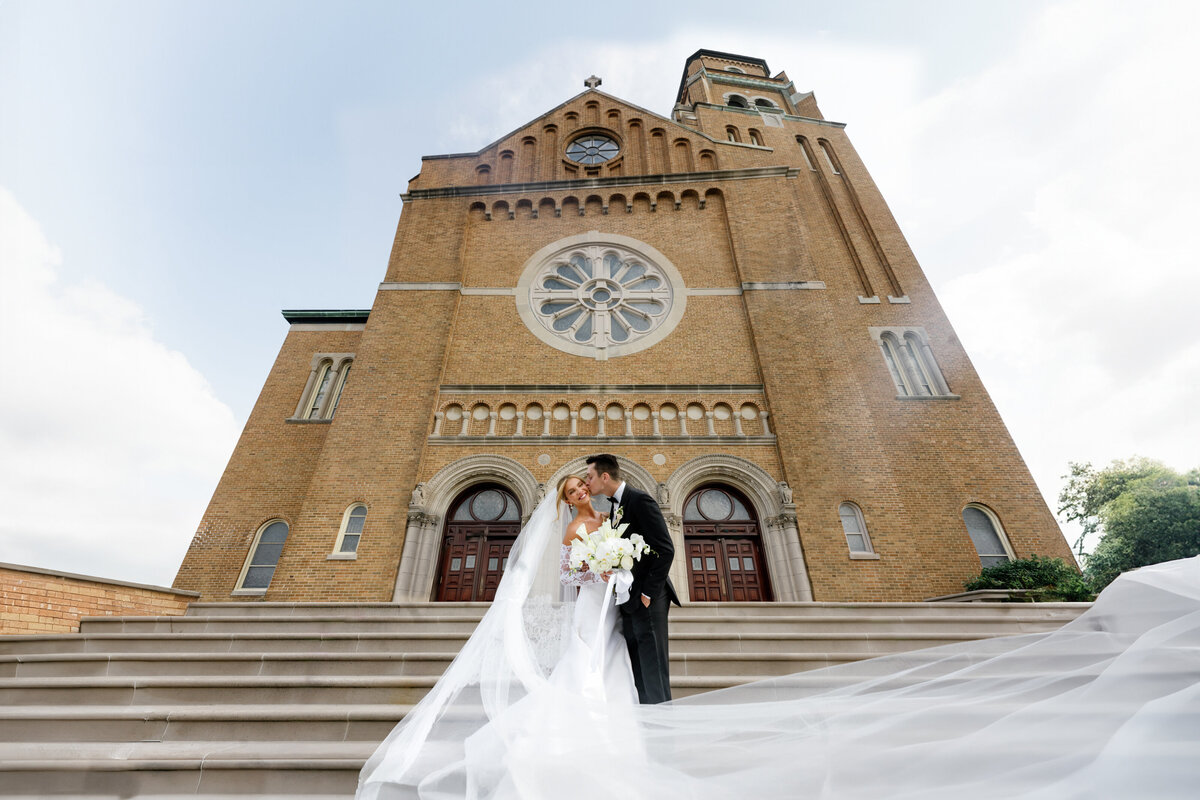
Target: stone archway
x=431, y=500
x=772, y=505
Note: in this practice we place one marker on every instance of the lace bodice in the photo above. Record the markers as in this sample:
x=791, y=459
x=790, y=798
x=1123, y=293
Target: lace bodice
x=569, y=578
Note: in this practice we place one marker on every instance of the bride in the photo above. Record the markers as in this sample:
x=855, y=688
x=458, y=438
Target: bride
x=539, y=704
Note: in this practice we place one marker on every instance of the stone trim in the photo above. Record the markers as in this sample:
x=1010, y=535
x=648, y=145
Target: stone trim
x=417, y=286
x=785, y=286
x=588, y=183
x=537, y=262
x=322, y=327
x=702, y=439
x=325, y=317
x=772, y=505
x=428, y=506
x=55, y=573
x=599, y=388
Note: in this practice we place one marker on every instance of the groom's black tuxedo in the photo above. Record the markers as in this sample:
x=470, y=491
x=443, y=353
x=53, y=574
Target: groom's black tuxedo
x=645, y=628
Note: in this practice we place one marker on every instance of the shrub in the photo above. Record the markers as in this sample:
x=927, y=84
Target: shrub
x=1056, y=580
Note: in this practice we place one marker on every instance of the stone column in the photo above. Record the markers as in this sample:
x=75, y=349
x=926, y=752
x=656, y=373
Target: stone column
x=629, y=423
x=766, y=427
x=466, y=423
x=683, y=423
x=411, y=582
x=492, y=417
x=437, y=423
x=574, y=423
x=678, y=573
x=546, y=424
x=708, y=420
x=600, y=420
x=654, y=416
x=520, y=423
x=737, y=424
x=791, y=536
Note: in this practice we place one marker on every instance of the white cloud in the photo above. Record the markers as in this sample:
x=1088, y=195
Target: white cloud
x=1068, y=267
x=109, y=439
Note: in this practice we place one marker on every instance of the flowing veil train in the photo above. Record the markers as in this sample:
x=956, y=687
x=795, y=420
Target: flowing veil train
x=1108, y=706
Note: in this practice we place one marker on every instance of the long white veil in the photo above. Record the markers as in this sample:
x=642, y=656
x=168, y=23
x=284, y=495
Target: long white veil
x=507, y=658
x=1106, y=707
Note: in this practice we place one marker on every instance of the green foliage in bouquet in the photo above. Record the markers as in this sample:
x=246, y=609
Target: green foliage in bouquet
x=1055, y=580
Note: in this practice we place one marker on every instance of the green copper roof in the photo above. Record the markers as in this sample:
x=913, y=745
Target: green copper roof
x=317, y=316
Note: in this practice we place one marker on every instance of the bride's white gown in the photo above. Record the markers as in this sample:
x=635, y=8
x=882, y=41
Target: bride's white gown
x=1106, y=707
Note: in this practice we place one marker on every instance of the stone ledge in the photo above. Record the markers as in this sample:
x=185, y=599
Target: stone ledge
x=93, y=579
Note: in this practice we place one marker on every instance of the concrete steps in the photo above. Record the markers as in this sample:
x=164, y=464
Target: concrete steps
x=288, y=699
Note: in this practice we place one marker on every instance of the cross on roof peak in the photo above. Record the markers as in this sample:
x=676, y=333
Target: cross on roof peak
x=592, y=82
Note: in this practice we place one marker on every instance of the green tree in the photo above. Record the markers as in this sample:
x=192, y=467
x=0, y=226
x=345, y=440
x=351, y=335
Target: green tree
x=1145, y=512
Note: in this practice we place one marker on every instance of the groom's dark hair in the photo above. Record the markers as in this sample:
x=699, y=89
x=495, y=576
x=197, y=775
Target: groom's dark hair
x=604, y=462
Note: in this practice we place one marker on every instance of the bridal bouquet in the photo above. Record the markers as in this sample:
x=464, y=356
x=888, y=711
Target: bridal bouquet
x=606, y=550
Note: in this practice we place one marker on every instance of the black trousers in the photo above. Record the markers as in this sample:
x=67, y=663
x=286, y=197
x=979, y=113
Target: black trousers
x=645, y=630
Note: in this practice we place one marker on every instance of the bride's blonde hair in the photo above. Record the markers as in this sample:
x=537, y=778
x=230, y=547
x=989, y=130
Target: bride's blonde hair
x=562, y=490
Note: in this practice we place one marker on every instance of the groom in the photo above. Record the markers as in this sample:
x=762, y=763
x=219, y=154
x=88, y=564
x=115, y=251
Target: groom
x=644, y=617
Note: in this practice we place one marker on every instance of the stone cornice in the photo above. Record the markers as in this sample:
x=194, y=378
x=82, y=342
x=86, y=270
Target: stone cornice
x=541, y=441
x=616, y=388
x=596, y=183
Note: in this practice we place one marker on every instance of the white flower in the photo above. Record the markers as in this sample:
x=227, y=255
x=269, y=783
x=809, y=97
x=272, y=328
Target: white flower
x=627, y=562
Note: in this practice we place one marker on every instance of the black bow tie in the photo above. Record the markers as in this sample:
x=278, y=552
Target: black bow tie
x=612, y=504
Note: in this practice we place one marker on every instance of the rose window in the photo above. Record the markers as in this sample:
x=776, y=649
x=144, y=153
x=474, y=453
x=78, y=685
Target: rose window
x=593, y=149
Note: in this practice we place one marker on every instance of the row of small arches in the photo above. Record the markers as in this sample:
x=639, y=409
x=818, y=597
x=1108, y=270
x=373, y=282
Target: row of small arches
x=735, y=100
x=536, y=158
x=607, y=419
x=592, y=205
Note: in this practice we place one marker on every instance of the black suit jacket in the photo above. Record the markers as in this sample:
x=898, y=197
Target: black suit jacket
x=650, y=574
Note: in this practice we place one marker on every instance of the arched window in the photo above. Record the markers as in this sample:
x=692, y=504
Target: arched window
x=910, y=362
x=738, y=70
x=763, y=102
x=804, y=152
x=855, y=529
x=731, y=133
x=987, y=535
x=264, y=555
x=346, y=545
x=325, y=384
x=829, y=159
x=737, y=101
x=320, y=390
x=756, y=137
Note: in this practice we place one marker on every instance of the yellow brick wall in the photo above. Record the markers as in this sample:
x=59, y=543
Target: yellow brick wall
x=41, y=601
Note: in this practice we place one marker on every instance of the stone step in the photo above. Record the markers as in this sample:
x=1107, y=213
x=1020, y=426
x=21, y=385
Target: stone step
x=813, y=609
x=695, y=648
x=16, y=650
x=215, y=722
x=162, y=690
x=681, y=623
x=143, y=769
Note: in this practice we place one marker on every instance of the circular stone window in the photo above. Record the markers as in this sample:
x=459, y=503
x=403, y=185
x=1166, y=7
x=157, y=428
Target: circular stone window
x=593, y=148
x=600, y=295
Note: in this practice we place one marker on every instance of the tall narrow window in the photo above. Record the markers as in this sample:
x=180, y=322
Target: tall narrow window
x=264, y=555
x=855, y=528
x=804, y=151
x=987, y=535
x=344, y=373
x=910, y=362
x=320, y=390
x=731, y=133
x=829, y=159
x=353, y=521
x=756, y=137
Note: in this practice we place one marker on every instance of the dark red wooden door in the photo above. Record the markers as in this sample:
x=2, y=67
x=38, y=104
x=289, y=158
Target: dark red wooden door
x=482, y=525
x=724, y=556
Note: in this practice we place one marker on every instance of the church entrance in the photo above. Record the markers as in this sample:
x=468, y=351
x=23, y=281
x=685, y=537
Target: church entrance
x=724, y=554
x=480, y=529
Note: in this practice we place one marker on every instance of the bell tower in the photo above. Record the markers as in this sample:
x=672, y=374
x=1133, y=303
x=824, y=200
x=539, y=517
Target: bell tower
x=738, y=85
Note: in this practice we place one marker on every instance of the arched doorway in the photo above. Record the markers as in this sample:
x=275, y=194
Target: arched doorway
x=724, y=554
x=480, y=529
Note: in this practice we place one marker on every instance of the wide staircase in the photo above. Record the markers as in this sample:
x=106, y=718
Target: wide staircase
x=289, y=699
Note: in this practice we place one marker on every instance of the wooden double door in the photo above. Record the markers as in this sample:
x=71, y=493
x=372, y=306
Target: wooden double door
x=724, y=553
x=480, y=530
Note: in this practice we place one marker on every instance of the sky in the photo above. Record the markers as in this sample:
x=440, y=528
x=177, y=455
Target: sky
x=172, y=175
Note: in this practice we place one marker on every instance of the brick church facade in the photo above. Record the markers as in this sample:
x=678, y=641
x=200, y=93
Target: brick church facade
x=721, y=298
